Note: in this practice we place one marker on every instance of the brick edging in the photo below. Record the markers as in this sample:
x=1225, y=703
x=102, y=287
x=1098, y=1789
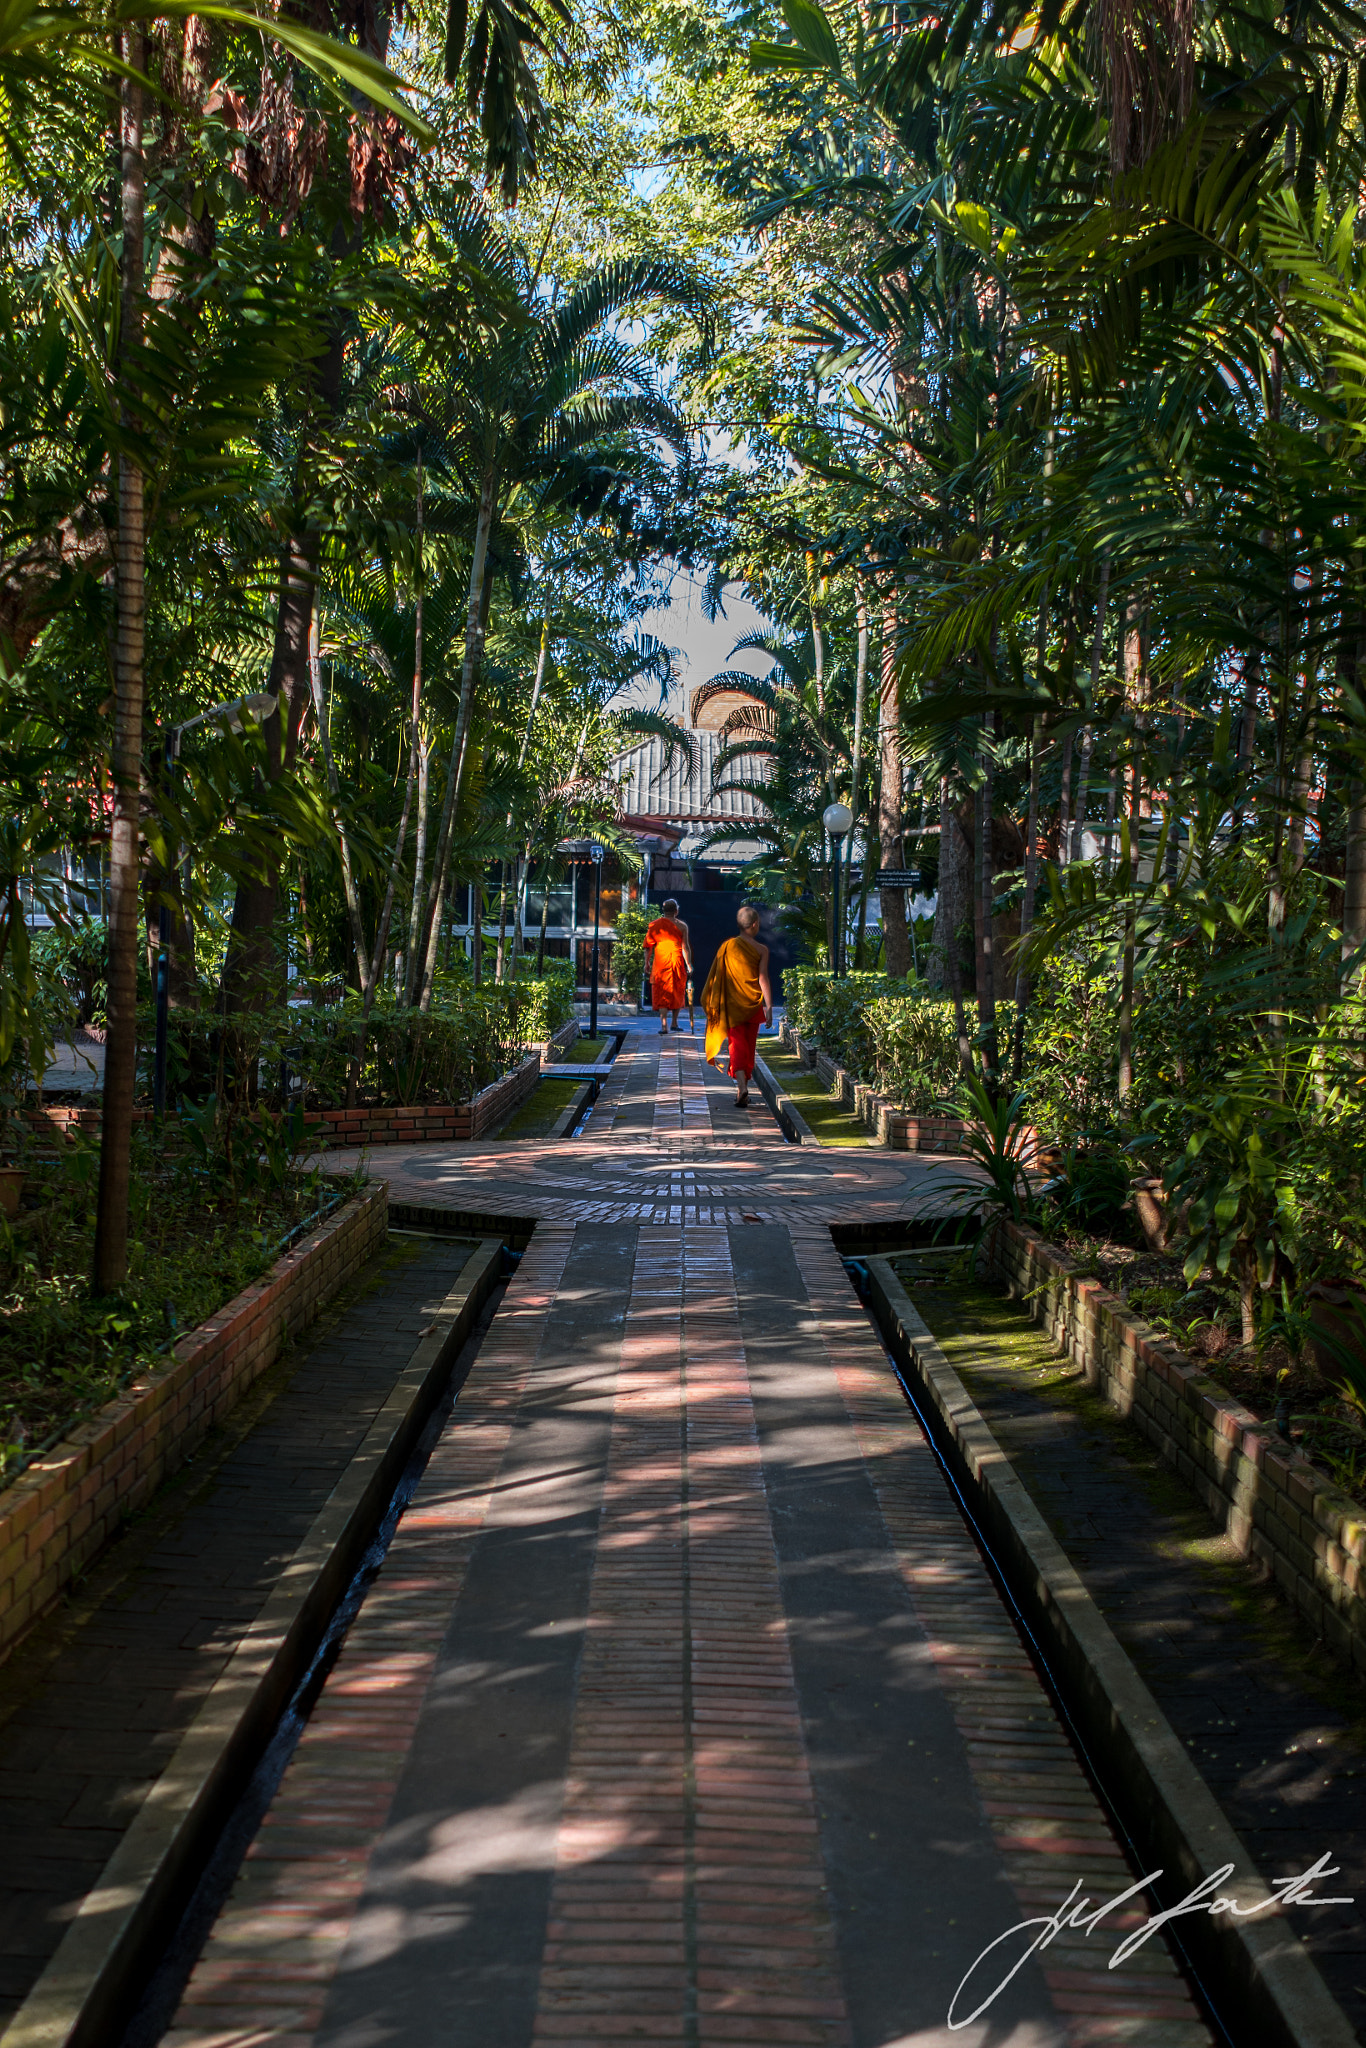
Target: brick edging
x=1267, y=1496
x=441, y=1123
x=400, y=1126
x=60, y=1512
x=559, y=1042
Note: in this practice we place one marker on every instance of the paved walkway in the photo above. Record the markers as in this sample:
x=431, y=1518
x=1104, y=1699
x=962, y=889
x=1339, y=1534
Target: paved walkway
x=681, y=1711
x=666, y=1144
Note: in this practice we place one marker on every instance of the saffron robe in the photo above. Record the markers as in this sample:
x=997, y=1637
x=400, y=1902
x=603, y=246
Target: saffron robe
x=732, y=994
x=669, y=971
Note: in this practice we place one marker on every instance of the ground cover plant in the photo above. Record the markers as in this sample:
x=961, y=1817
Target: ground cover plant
x=206, y=1220
x=824, y=1113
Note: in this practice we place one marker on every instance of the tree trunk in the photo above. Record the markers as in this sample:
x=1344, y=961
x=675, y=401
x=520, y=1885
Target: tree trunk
x=251, y=978
x=541, y=661
x=896, y=957
x=1089, y=737
x=349, y=889
x=954, y=894
x=1088, y=741
x=1247, y=732
x=961, y=867
x=419, y=873
x=414, y=748
x=1354, y=891
x=1134, y=655
x=545, y=919
x=817, y=638
x=476, y=619
x=120, y=1057
x=984, y=900
x=1031, y=874
x=856, y=762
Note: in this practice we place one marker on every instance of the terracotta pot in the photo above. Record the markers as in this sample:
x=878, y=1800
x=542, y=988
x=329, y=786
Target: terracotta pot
x=11, y=1187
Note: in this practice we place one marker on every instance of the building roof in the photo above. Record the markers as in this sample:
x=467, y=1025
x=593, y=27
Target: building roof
x=680, y=789
x=712, y=704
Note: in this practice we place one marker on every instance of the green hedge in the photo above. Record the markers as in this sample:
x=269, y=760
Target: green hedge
x=835, y=1012
x=468, y=1038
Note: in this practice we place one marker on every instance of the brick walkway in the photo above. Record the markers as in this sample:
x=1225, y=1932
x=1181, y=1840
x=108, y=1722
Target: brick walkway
x=682, y=1710
x=666, y=1144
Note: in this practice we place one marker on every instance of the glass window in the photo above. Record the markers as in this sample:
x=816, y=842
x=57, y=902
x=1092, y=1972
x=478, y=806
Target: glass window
x=561, y=915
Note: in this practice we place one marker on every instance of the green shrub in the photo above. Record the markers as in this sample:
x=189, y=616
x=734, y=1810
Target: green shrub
x=915, y=1050
x=834, y=1012
x=628, y=951
x=410, y=1057
x=544, y=1003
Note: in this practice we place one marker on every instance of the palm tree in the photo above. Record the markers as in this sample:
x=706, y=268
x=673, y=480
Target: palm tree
x=553, y=391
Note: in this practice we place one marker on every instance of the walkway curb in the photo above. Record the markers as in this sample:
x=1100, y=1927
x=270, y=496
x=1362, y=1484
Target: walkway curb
x=784, y=1108
x=1259, y=1971
x=574, y=1109
x=83, y=1996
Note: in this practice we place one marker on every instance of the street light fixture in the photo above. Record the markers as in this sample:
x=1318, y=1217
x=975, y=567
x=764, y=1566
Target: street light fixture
x=595, y=854
x=838, y=821
x=259, y=705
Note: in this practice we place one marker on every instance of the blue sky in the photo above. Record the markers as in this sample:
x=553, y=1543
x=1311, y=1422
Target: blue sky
x=703, y=644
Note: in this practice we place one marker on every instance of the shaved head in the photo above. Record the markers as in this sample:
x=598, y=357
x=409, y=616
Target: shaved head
x=671, y=903
x=747, y=917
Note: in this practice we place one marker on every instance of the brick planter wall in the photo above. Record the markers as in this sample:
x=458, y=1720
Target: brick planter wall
x=434, y=1123
x=899, y=1130
x=65, y=1507
x=559, y=1042
x=1270, y=1500
x=58, y=1121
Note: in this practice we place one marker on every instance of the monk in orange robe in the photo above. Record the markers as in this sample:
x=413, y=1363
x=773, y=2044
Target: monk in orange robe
x=669, y=960
x=737, y=999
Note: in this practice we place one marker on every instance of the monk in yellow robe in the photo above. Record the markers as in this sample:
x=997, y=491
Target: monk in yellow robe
x=669, y=959
x=737, y=999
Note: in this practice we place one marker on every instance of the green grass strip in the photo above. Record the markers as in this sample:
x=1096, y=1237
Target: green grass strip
x=585, y=1051
x=541, y=1111
x=830, y=1122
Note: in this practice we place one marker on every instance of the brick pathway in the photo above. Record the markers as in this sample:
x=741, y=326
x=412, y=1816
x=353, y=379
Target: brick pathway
x=682, y=1710
x=666, y=1144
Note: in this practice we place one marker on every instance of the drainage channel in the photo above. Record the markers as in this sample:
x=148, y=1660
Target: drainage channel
x=161, y=1996
x=921, y=1238
x=616, y=1039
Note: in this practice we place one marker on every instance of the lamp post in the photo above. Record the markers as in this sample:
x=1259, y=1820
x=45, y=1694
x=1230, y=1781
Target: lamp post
x=595, y=854
x=838, y=820
x=258, y=706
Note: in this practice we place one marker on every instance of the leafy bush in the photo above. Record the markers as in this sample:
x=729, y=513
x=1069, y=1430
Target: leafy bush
x=915, y=1050
x=834, y=1012
x=628, y=951
x=71, y=971
x=409, y=1057
x=544, y=1002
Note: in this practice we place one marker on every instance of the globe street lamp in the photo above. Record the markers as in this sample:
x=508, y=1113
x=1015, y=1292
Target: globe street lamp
x=595, y=853
x=838, y=820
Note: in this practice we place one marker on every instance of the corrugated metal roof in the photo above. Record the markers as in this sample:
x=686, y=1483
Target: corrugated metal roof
x=680, y=789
